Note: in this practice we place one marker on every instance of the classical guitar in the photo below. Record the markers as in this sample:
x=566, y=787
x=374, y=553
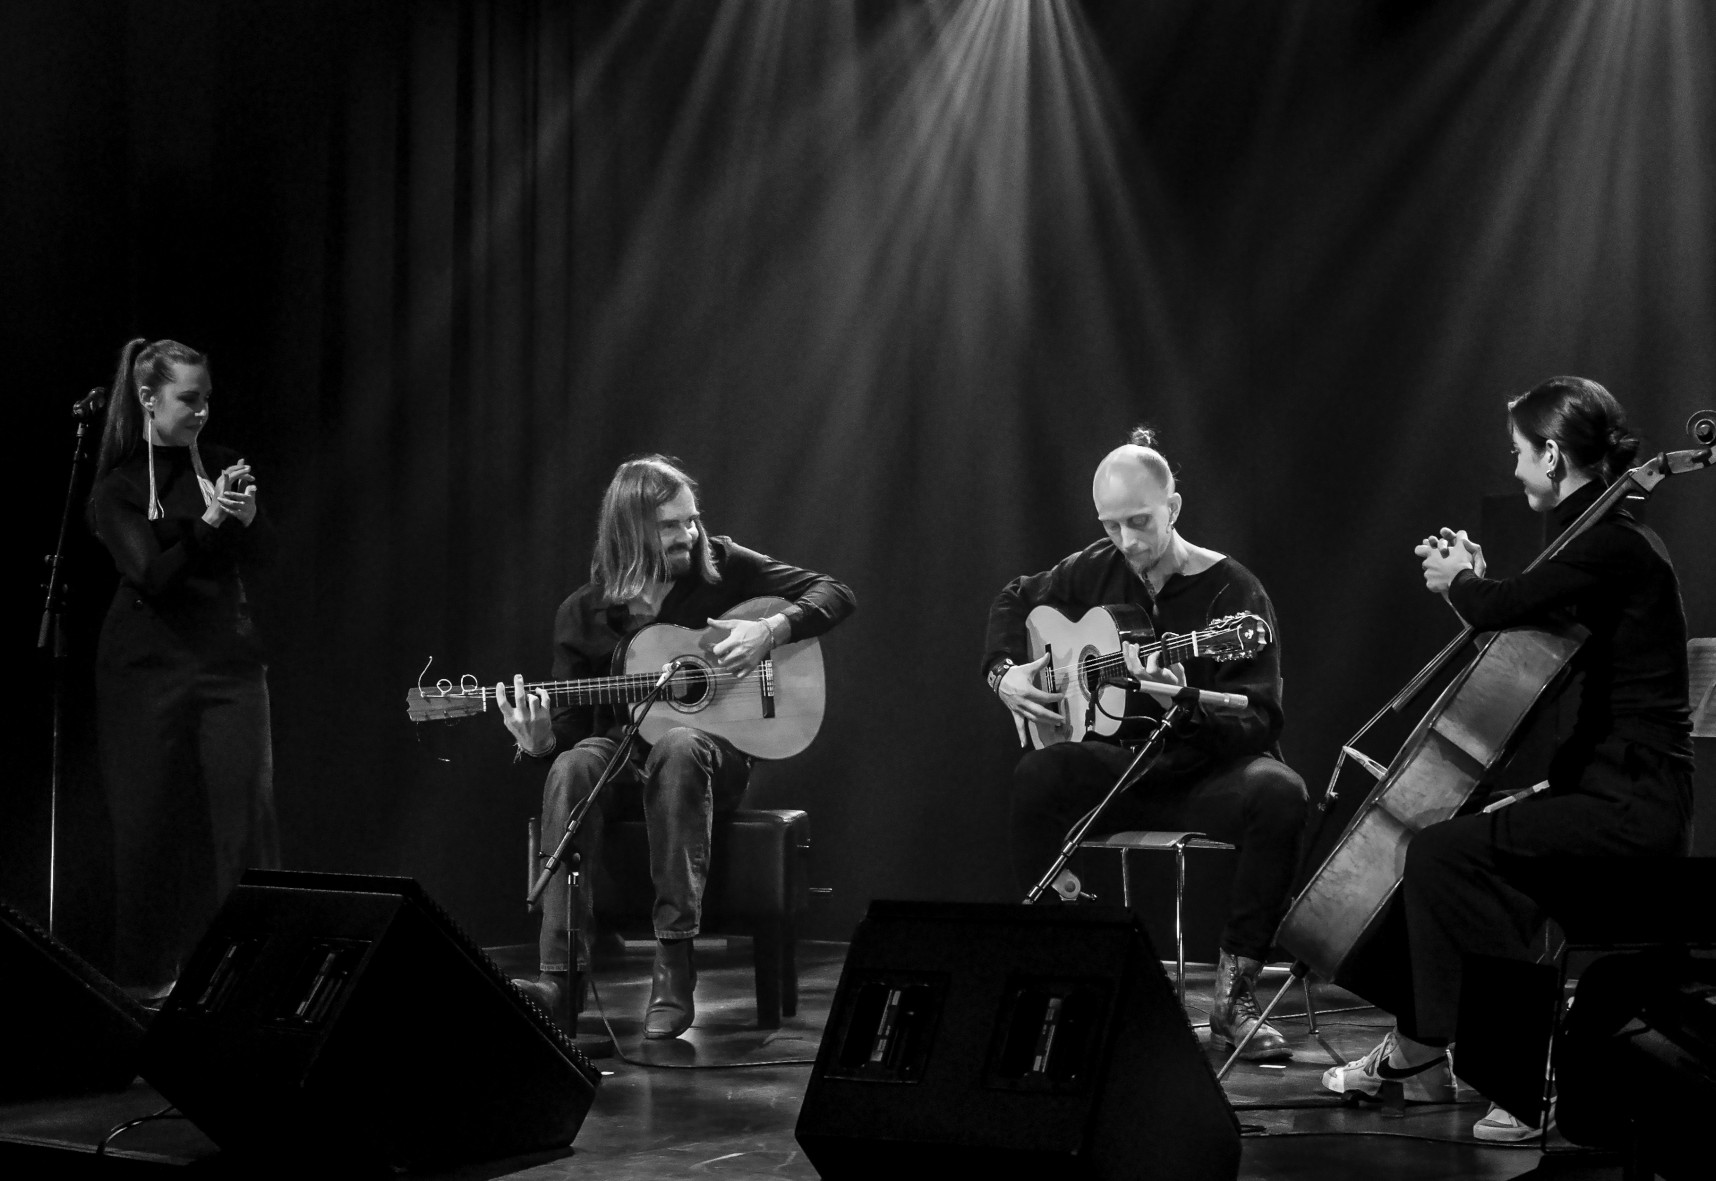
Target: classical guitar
x=771, y=714
x=1086, y=660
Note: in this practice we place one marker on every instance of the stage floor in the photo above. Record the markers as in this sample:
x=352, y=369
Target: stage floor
x=680, y=1110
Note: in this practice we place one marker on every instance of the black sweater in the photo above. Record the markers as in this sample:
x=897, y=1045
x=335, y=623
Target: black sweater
x=1616, y=580
x=588, y=631
x=180, y=586
x=1099, y=576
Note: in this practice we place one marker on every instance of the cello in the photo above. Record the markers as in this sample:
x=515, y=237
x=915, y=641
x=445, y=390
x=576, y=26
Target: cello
x=1470, y=730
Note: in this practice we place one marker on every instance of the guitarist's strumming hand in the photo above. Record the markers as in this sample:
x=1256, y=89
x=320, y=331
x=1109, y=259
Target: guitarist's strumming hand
x=747, y=642
x=526, y=717
x=1018, y=691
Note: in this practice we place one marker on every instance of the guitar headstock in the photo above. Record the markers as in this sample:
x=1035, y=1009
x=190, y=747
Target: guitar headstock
x=444, y=702
x=1235, y=637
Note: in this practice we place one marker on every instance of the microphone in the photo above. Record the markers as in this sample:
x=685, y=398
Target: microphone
x=1186, y=695
x=667, y=671
x=91, y=404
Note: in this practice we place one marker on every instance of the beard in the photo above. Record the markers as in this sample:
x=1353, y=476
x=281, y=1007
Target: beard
x=677, y=561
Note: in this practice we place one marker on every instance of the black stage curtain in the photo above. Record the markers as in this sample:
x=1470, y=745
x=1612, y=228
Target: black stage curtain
x=452, y=264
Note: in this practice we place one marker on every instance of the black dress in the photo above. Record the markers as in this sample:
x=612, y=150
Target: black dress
x=181, y=709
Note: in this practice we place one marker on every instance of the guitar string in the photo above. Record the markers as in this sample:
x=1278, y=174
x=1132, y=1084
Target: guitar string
x=1182, y=645
x=1171, y=645
x=623, y=681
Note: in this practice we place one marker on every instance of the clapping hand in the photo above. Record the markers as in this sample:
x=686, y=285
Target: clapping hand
x=1446, y=554
x=235, y=494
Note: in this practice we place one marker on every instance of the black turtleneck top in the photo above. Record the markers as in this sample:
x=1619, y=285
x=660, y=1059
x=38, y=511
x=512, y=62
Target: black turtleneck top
x=180, y=590
x=1616, y=580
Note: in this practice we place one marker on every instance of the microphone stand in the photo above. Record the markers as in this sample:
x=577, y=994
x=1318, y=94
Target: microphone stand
x=1148, y=752
x=582, y=809
x=51, y=634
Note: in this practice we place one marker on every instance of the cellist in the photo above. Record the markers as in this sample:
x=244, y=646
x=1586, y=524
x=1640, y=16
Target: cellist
x=1619, y=785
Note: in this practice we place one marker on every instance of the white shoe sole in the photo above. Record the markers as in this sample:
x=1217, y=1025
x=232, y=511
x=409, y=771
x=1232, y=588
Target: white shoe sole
x=1413, y=1089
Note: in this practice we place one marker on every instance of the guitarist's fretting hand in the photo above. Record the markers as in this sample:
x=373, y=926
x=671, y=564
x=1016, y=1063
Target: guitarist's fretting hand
x=1018, y=691
x=1152, y=668
x=526, y=718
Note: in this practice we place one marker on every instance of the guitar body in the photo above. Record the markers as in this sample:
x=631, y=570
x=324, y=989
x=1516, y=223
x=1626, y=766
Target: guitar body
x=1077, y=651
x=772, y=714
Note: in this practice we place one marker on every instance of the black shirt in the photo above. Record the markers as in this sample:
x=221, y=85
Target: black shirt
x=1099, y=576
x=180, y=582
x=1616, y=580
x=588, y=631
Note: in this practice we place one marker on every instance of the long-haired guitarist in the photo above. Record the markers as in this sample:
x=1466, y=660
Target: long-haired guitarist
x=654, y=562
x=1216, y=774
x=1620, y=783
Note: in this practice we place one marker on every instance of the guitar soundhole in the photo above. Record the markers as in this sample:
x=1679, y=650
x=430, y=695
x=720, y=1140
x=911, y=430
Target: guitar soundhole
x=692, y=687
x=1089, y=672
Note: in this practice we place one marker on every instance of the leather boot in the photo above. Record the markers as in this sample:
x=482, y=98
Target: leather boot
x=1234, y=1012
x=560, y=994
x=671, y=983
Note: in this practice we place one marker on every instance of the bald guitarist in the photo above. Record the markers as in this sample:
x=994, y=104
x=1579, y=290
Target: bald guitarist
x=653, y=563
x=1216, y=774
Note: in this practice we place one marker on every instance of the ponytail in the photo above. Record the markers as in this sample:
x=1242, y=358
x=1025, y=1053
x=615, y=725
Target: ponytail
x=141, y=366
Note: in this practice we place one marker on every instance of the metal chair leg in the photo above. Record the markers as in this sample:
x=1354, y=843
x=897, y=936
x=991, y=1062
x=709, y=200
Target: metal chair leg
x=1311, y=1022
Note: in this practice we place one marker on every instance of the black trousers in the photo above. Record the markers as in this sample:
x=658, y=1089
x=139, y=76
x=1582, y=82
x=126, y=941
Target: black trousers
x=678, y=788
x=188, y=770
x=1614, y=799
x=1257, y=803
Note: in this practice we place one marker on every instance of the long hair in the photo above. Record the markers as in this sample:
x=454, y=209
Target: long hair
x=142, y=366
x=1583, y=418
x=628, y=553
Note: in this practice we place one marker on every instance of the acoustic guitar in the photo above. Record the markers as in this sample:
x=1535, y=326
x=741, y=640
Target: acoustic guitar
x=773, y=713
x=1086, y=660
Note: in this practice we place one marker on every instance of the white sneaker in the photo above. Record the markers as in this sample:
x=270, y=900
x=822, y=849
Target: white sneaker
x=1431, y=1082
x=1499, y=1127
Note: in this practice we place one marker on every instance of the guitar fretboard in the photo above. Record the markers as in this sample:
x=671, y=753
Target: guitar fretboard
x=1171, y=650
x=626, y=689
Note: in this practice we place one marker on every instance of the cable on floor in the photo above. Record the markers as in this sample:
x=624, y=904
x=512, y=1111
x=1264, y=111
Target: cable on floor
x=166, y=1112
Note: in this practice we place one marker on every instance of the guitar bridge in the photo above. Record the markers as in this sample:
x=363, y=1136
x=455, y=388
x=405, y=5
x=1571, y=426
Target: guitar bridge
x=766, y=685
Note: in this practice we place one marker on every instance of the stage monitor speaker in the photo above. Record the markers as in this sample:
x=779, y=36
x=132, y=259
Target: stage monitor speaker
x=68, y=1029
x=1011, y=1041
x=1636, y=1061
x=348, y=1019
